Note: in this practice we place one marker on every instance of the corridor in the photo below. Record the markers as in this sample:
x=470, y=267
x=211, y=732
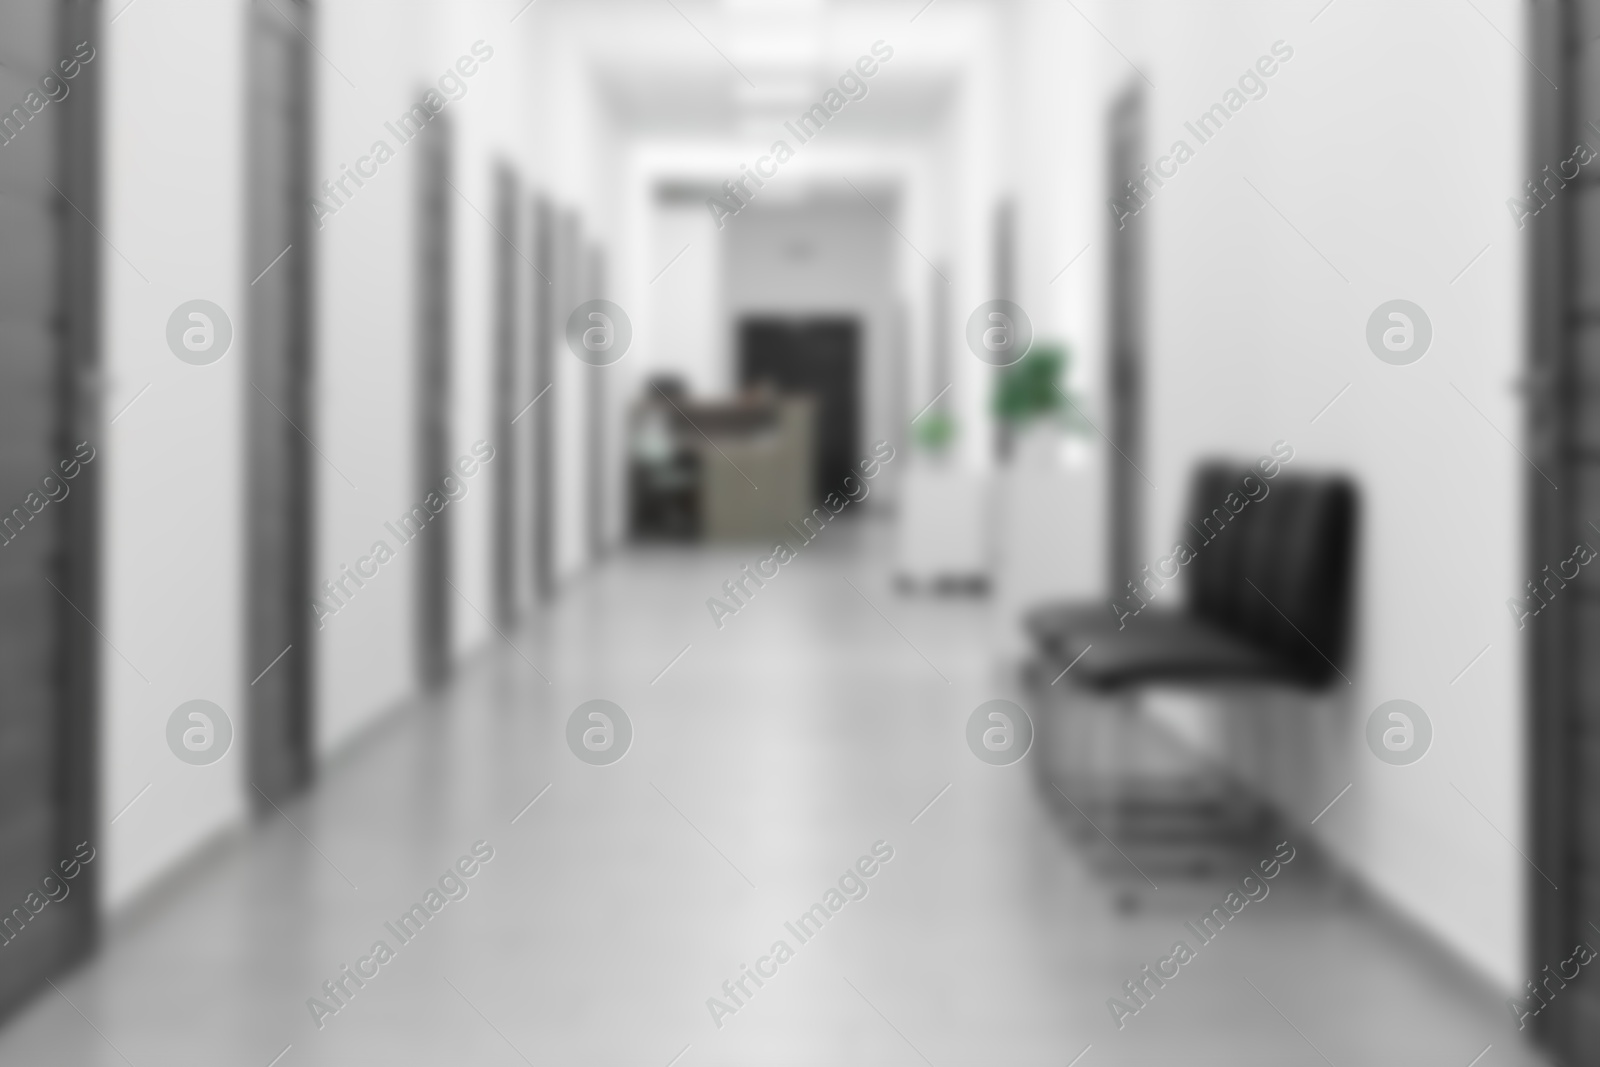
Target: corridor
x=824, y=718
x=744, y=532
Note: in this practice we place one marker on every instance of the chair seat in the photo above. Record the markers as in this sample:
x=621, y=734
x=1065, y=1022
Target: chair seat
x=1063, y=628
x=1153, y=647
x=1266, y=588
x=1050, y=626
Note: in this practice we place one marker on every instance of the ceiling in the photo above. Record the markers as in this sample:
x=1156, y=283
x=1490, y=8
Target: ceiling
x=677, y=100
x=739, y=68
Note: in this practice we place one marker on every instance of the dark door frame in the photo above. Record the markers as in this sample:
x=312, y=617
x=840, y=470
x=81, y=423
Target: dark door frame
x=503, y=383
x=570, y=279
x=543, y=466
x=68, y=751
x=939, y=338
x=1004, y=265
x=281, y=716
x=434, y=278
x=594, y=504
x=77, y=734
x=1560, y=730
x=1125, y=342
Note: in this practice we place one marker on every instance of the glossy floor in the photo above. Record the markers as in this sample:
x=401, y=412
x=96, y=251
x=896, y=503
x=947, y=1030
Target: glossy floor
x=826, y=716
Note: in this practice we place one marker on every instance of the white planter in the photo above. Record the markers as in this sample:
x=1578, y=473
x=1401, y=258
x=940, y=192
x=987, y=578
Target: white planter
x=943, y=524
x=1049, y=524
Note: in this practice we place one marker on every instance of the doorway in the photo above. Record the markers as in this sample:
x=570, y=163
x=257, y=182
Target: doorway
x=1562, y=407
x=507, y=294
x=1005, y=285
x=1125, y=325
x=819, y=357
x=595, y=481
x=49, y=421
x=435, y=279
x=279, y=589
x=543, y=460
x=568, y=514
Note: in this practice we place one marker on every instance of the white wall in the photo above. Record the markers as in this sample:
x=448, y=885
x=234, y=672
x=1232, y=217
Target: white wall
x=172, y=537
x=173, y=542
x=478, y=117
x=579, y=166
x=1391, y=141
x=1050, y=527
x=685, y=303
x=1061, y=232
x=366, y=324
x=365, y=365
x=828, y=254
x=976, y=184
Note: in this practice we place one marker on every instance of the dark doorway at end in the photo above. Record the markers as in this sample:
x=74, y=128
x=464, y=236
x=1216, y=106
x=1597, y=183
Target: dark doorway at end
x=816, y=356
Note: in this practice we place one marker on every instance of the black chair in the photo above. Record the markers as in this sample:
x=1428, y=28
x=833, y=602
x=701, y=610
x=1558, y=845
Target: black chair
x=1268, y=598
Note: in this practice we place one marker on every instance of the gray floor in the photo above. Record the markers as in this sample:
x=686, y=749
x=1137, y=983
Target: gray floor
x=767, y=759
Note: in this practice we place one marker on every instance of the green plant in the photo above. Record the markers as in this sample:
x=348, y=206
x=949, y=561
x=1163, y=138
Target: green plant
x=935, y=431
x=1031, y=389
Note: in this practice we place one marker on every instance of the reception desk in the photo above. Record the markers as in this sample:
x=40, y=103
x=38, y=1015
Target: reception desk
x=729, y=471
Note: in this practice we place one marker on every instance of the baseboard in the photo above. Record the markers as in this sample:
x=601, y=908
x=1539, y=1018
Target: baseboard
x=1442, y=957
x=210, y=852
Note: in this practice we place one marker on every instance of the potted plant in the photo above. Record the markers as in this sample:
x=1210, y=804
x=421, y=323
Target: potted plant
x=934, y=433
x=1047, y=542
x=1033, y=408
x=944, y=513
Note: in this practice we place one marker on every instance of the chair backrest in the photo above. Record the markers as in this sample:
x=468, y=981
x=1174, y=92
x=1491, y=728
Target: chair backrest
x=1274, y=562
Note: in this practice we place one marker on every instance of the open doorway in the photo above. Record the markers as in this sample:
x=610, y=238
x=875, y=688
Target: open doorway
x=280, y=481
x=819, y=357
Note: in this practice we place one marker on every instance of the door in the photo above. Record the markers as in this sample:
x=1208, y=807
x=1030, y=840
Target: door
x=939, y=341
x=1125, y=290
x=278, y=405
x=595, y=482
x=1562, y=421
x=569, y=516
x=819, y=357
x=49, y=416
x=1005, y=274
x=544, y=349
x=507, y=293
x=435, y=279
